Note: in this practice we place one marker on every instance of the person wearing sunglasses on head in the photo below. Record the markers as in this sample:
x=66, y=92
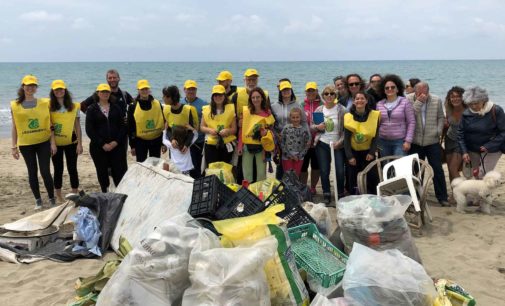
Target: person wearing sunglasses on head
x=398, y=122
x=355, y=83
x=409, y=86
x=330, y=131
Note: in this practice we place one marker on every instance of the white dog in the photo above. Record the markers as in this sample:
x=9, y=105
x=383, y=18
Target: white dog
x=461, y=187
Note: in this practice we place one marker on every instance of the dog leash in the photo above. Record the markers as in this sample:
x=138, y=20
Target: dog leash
x=482, y=157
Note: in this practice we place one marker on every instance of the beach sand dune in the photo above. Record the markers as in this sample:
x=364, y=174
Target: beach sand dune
x=468, y=249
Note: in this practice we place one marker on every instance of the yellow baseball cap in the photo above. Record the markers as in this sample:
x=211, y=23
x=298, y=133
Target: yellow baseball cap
x=141, y=84
x=224, y=75
x=58, y=84
x=250, y=72
x=190, y=84
x=30, y=80
x=311, y=85
x=218, y=89
x=285, y=84
x=103, y=87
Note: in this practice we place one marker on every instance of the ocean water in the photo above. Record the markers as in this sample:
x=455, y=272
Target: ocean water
x=82, y=78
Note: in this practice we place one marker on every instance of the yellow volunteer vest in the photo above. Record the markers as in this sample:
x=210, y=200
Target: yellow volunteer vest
x=63, y=124
x=149, y=124
x=178, y=119
x=362, y=132
x=33, y=125
x=243, y=98
x=251, y=122
x=224, y=120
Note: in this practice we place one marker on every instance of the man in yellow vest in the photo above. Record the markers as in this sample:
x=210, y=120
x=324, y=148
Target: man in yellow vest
x=225, y=78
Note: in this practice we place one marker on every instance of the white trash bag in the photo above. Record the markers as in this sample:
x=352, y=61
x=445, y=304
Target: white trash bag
x=374, y=278
x=230, y=276
x=156, y=271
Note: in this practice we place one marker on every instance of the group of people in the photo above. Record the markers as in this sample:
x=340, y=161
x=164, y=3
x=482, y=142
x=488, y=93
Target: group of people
x=244, y=127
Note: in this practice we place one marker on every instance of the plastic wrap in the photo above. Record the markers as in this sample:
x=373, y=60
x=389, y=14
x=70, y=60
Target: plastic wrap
x=155, y=272
x=291, y=181
x=230, y=276
x=87, y=232
x=321, y=215
x=375, y=278
x=222, y=170
x=263, y=189
x=376, y=222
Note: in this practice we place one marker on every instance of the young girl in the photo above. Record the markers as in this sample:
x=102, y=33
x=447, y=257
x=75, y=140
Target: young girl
x=257, y=119
x=182, y=138
x=294, y=140
x=67, y=133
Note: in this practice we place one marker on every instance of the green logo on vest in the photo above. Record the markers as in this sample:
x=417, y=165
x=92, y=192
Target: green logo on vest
x=360, y=138
x=57, y=128
x=33, y=123
x=150, y=124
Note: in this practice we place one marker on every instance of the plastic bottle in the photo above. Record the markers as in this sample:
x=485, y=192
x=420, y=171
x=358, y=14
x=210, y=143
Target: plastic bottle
x=245, y=184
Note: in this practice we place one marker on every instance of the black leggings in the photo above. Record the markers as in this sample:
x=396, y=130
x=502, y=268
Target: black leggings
x=213, y=154
x=42, y=152
x=115, y=160
x=70, y=152
x=143, y=148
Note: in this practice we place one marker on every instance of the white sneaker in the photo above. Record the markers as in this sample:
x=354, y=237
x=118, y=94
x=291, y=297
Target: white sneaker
x=38, y=204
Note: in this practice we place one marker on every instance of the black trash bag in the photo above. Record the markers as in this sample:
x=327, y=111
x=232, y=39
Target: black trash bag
x=292, y=182
x=107, y=207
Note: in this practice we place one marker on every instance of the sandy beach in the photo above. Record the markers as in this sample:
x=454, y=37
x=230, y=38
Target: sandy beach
x=467, y=248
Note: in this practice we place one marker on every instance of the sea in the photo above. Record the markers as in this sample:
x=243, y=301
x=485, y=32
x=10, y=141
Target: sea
x=83, y=77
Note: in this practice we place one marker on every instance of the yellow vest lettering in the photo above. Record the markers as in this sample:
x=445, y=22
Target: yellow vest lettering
x=362, y=132
x=33, y=125
x=221, y=121
x=252, y=123
x=63, y=124
x=149, y=124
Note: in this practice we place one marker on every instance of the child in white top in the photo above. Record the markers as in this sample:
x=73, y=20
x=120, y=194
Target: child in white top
x=179, y=150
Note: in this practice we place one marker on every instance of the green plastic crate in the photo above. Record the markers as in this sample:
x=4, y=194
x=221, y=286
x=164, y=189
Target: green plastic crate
x=316, y=255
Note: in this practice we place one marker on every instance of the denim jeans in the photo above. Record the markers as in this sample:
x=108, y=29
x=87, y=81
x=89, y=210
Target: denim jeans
x=390, y=147
x=323, y=155
x=434, y=154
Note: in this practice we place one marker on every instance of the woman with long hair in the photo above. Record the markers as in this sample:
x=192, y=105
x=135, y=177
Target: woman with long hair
x=67, y=134
x=257, y=121
x=220, y=127
x=33, y=137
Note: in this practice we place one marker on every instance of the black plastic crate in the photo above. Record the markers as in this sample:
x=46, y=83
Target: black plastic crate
x=208, y=195
x=283, y=195
x=243, y=203
x=295, y=216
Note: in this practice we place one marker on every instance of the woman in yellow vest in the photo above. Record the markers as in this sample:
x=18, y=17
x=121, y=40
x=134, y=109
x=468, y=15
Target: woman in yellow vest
x=257, y=119
x=32, y=136
x=145, y=123
x=220, y=127
x=361, y=127
x=67, y=134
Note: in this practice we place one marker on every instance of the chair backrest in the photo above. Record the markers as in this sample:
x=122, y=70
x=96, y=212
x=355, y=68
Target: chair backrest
x=405, y=166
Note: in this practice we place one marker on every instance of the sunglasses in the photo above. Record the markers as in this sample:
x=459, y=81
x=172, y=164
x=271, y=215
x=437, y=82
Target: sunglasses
x=329, y=94
x=354, y=84
x=390, y=87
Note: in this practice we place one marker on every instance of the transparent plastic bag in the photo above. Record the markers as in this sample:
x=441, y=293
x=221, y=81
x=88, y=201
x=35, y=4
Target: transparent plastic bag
x=376, y=222
x=263, y=189
x=321, y=300
x=222, y=170
x=155, y=272
x=230, y=276
x=375, y=278
x=87, y=232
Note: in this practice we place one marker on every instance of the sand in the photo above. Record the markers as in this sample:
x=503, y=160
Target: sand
x=466, y=248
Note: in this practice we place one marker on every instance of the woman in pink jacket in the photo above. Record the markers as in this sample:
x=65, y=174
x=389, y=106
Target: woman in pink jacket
x=398, y=122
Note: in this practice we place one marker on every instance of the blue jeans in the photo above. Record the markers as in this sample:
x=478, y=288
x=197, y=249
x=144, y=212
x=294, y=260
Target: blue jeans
x=392, y=147
x=323, y=155
x=434, y=154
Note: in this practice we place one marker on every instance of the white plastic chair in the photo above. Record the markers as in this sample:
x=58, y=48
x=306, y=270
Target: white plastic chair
x=403, y=175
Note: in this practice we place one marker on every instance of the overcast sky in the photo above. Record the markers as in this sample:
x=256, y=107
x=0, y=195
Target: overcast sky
x=260, y=30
